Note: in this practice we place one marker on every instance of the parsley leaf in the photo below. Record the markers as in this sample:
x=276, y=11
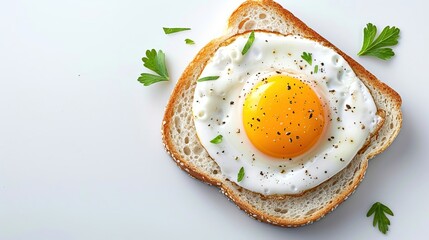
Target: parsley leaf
x=154, y=61
x=209, y=78
x=308, y=57
x=316, y=69
x=217, y=139
x=248, y=43
x=174, y=30
x=240, y=175
x=379, y=47
x=189, y=41
x=379, y=210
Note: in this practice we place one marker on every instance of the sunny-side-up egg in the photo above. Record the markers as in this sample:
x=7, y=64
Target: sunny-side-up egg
x=285, y=116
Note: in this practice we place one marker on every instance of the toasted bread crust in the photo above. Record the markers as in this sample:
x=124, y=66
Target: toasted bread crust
x=192, y=72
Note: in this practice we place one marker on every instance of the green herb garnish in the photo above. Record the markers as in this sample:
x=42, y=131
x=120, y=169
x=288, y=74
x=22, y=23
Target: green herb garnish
x=316, y=69
x=248, y=43
x=210, y=78
x=154, y=61
x=174, y=30
x=189, y=41
x=380, y=218
x=308, y=57
x=217, y=139
x=379, y=47
x=240, y=175
x=149, y=79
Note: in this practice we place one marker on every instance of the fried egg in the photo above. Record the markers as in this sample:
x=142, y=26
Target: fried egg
x=277, y=121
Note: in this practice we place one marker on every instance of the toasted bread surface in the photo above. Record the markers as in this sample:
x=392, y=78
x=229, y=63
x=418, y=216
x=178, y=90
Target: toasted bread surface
x=181, y=141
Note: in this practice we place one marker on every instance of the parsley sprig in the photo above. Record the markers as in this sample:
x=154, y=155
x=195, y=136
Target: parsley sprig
x=379, y=210
x=218, y=139
x=189, y=41
x=316, y=69
x=209, y=78
x=154, y=61
x=248, y=43
x=308, y=57
x=174, y=30
x=240, y=174
x=379, y=47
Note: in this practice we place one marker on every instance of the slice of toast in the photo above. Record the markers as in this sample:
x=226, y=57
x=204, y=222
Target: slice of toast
x=181, y=141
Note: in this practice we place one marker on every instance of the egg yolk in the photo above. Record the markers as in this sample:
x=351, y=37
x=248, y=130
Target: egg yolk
x=283, y=117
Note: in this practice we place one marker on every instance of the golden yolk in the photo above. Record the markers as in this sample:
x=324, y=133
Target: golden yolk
x=283, y=116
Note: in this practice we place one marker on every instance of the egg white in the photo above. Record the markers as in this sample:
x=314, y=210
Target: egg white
x=218, y=107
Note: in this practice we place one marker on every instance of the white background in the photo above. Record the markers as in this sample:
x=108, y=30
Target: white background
x=80, y=145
